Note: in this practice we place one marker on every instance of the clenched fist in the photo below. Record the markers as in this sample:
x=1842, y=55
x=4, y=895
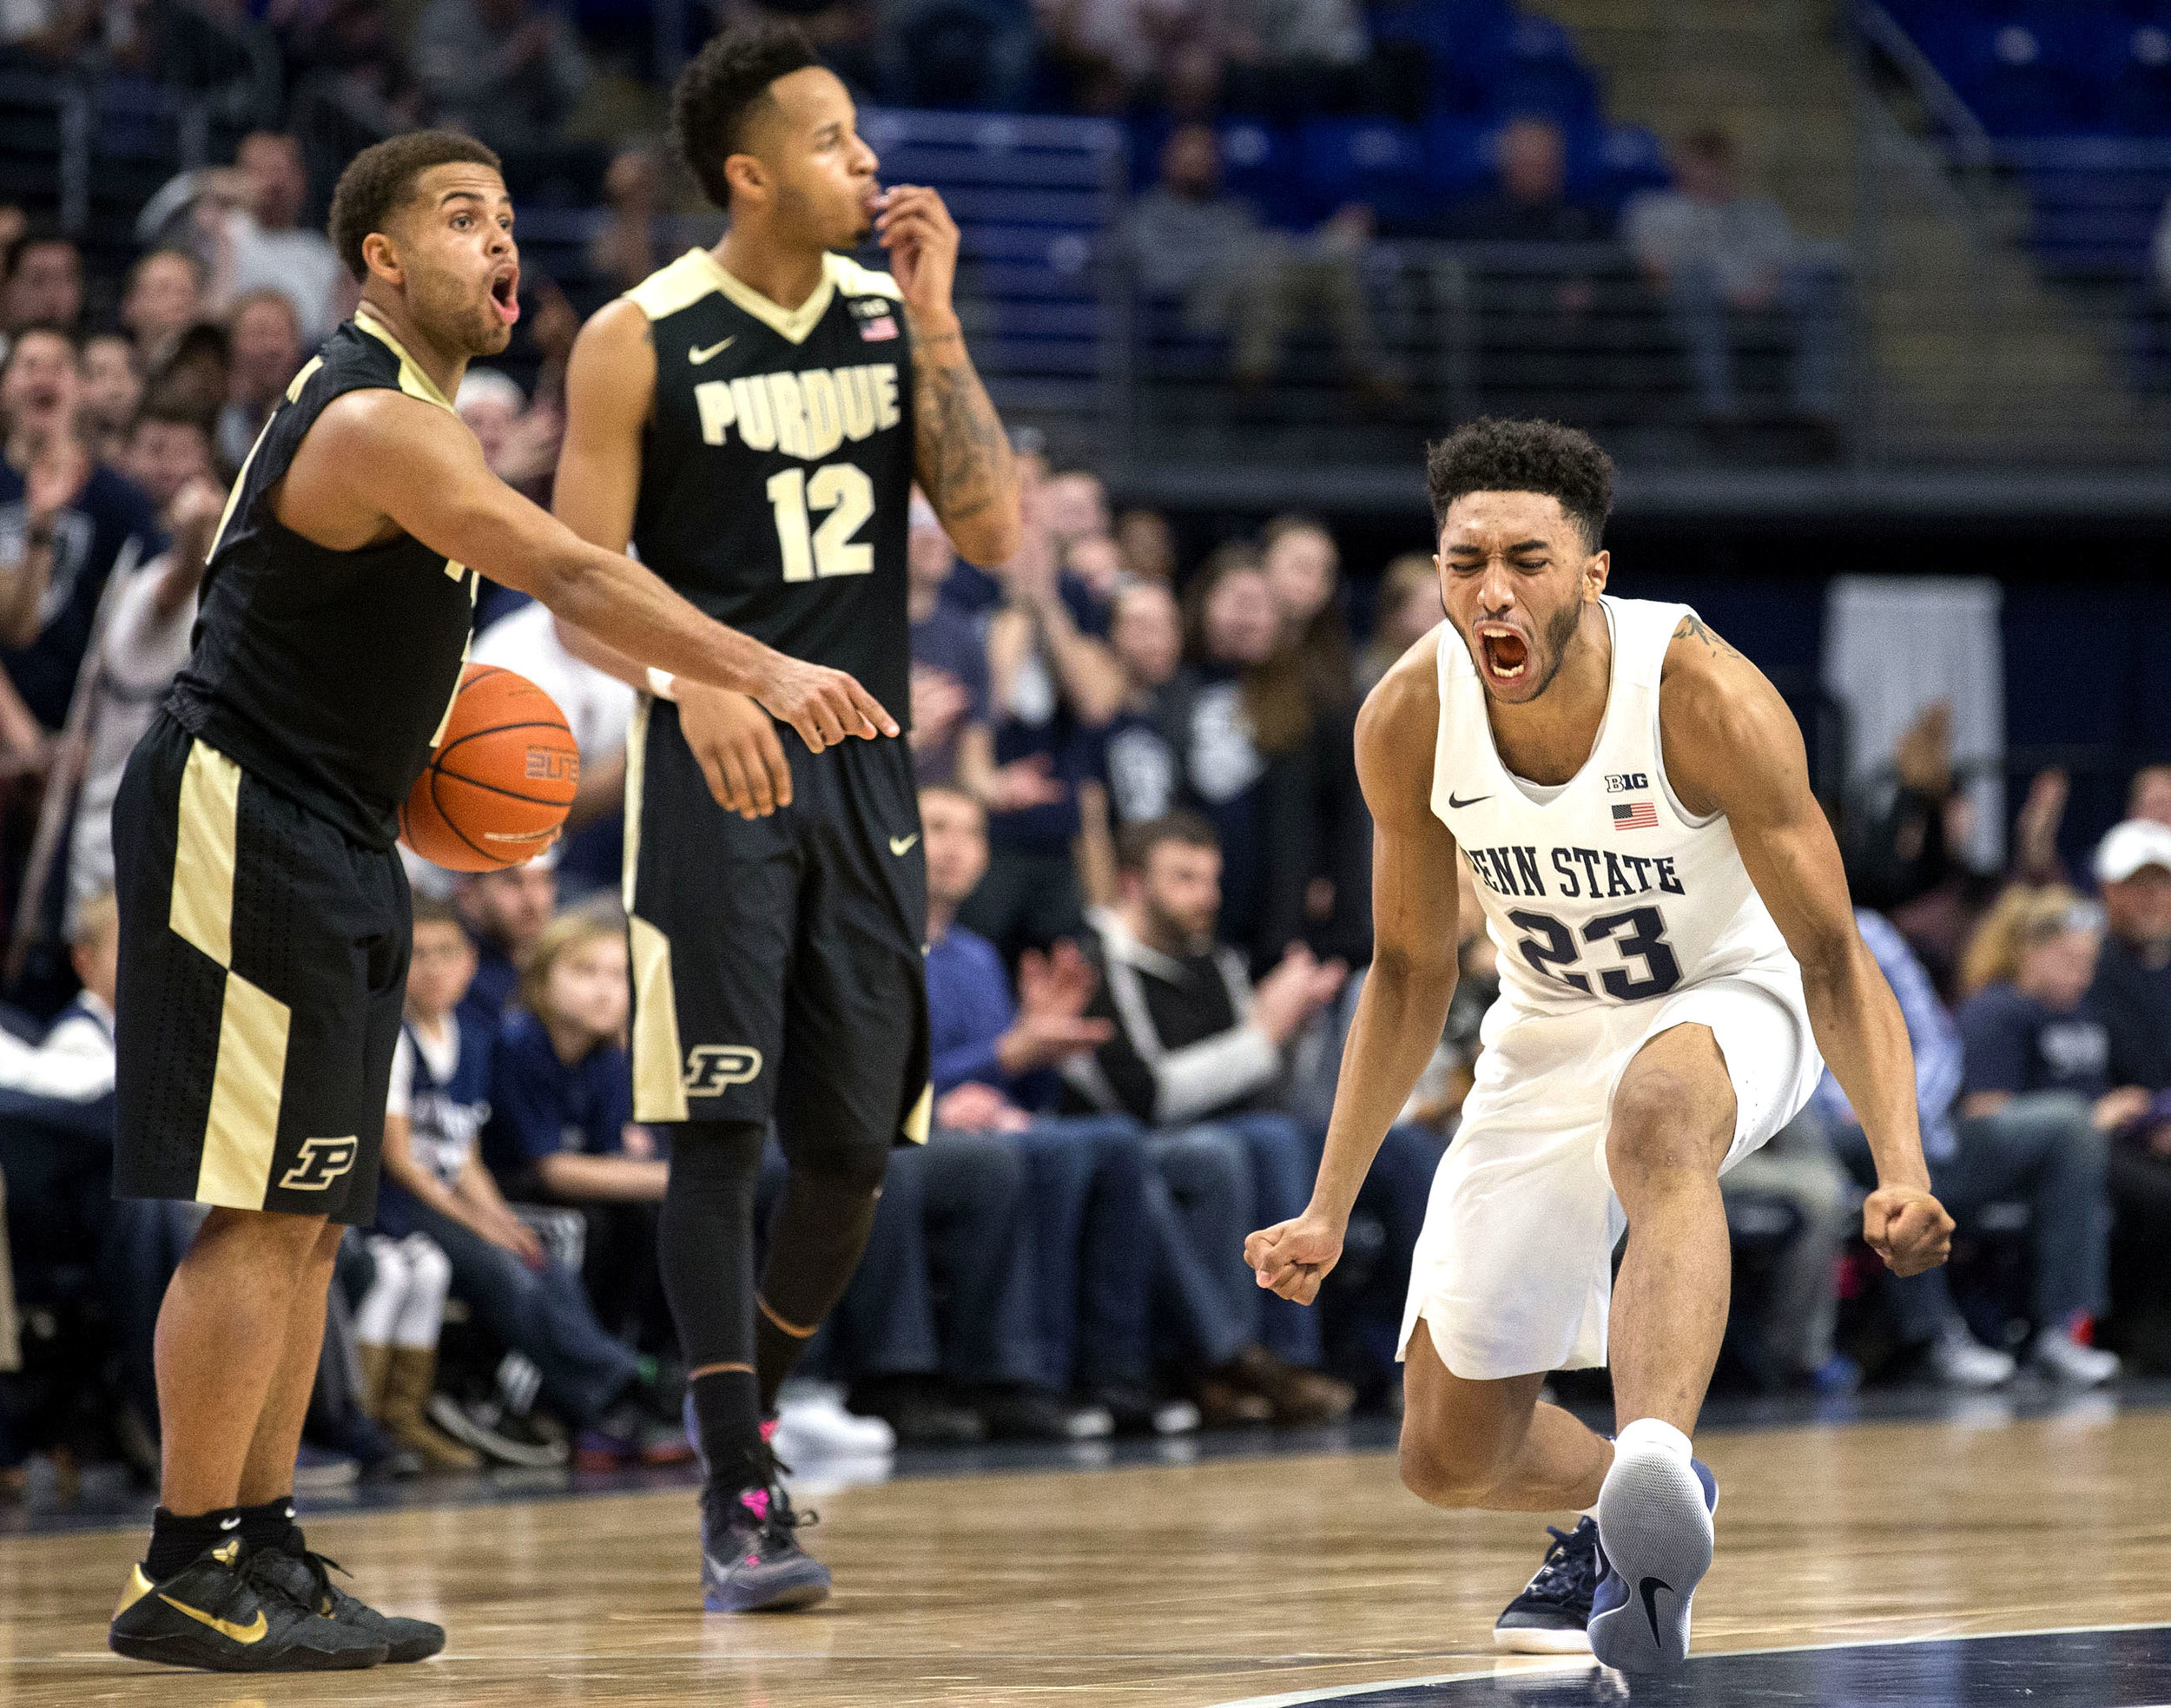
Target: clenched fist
x=1907, y=1227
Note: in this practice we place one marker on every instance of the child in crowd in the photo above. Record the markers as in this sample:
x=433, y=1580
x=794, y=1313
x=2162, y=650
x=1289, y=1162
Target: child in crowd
x=436, y=1184
x=561, y=1128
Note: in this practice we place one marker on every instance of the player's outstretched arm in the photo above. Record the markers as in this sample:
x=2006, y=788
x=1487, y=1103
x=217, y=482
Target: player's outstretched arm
x=960, y=453
x=1404, y=1005
x=1732, y=746
x=419, y=467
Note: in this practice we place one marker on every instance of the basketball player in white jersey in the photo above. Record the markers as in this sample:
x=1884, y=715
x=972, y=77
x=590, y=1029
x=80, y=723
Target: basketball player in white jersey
x=1676, y=948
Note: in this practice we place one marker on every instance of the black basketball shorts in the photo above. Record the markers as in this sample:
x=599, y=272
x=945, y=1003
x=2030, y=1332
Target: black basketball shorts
x=779, y=965
x=263, y=966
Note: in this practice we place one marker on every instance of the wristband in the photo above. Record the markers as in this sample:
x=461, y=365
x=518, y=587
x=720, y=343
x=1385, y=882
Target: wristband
x=663, y=685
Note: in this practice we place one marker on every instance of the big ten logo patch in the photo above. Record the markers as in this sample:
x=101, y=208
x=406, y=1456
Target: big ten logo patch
x=1619, y=782
x=712, y=1069
x=554, y=764
x=320, y=1162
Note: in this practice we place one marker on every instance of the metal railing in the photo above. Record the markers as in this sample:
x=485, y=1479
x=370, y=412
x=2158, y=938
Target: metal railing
x=1996, y=306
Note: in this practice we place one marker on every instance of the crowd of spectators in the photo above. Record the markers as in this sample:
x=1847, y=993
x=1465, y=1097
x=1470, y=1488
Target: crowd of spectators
x=1149, y=919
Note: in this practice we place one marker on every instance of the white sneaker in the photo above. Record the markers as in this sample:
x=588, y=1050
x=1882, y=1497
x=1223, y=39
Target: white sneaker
x=1962, y=1360
x=815, y=1425
x=2064, y=1360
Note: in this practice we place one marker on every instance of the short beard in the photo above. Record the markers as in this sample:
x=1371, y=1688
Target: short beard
x=1560, y=636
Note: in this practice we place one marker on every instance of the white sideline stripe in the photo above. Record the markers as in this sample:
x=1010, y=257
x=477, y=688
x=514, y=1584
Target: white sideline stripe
x=1503, y=1667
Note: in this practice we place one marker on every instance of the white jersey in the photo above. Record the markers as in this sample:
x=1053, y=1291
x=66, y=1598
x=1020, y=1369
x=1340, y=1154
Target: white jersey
x=1604, y=890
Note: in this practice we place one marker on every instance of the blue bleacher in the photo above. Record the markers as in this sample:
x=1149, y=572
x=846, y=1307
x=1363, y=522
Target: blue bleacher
x=2077, y=100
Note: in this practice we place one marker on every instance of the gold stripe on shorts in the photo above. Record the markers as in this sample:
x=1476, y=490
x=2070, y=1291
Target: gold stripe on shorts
x=659, y=1084
x=242, y=1129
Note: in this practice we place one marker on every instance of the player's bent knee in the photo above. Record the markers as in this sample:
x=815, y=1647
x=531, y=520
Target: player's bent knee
x=1443, y=1476
x=1662, y=1119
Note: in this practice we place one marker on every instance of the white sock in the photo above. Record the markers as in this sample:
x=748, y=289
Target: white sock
x=1646, y=1432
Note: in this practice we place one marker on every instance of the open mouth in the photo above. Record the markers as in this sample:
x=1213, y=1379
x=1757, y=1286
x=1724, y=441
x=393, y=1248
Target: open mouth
x=504, y=296
x=1505, y=654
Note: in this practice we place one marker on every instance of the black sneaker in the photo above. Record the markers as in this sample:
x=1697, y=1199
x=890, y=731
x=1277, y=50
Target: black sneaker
x=502, y=1436
x=1549, y=1617
x=750, y=1560
x=223, y=1612
x=305, y=1579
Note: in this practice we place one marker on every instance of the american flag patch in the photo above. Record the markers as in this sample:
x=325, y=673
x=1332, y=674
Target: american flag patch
x=1636, y=816
x=874, y=331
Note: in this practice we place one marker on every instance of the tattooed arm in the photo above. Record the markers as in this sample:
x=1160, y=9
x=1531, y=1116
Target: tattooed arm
x=962, y=452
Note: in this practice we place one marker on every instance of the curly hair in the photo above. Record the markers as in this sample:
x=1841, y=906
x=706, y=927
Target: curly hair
x=380, y=178
x=721, y=86
x=1495, y=456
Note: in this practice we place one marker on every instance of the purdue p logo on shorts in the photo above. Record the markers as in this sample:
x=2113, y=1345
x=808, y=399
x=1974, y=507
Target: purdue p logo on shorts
x=711, y=1069
x=321, y=1161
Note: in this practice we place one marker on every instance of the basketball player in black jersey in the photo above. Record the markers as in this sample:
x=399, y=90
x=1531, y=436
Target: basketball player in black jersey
x=264, y=917
x=752, y=418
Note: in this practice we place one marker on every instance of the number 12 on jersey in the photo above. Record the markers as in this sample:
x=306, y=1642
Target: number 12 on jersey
x=812, y=553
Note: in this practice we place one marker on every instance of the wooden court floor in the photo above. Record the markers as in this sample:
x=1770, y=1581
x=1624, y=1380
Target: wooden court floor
x=1173, y=1587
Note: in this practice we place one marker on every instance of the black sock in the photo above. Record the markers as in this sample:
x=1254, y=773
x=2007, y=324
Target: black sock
x=775, y=1354
x=176, y=1541
x=727, y=1409
x=272, y=1526
x=814, y=1241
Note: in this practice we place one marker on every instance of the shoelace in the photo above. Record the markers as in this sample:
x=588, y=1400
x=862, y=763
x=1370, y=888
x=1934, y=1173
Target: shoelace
x=1569, y=1572
x=261, y=1568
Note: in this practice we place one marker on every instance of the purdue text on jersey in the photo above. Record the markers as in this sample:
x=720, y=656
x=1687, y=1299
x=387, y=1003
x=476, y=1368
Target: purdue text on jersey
x=777, y=465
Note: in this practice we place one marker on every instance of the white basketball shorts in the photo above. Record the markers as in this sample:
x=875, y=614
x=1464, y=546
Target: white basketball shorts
x=1514, y=1271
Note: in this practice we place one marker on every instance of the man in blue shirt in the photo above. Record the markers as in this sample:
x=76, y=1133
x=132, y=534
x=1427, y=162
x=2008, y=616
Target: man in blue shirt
x=2042, y=1150
x=992, y=1063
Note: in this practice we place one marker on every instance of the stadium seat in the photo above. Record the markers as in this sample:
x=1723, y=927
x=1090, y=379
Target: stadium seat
x=1376, y=161
x=1459, y=156
x=1609, y=163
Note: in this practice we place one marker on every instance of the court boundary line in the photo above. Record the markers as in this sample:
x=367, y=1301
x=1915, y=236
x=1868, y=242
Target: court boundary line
x=1541, y=1667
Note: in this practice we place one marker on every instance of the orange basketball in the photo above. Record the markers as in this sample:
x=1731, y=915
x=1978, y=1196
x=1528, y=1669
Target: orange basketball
x=499, y=782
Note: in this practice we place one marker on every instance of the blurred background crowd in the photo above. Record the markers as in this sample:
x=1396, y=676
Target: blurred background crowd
x=1148, y=858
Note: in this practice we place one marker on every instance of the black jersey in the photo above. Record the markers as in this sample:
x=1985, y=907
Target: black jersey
x=326, y=674
x=777, y=465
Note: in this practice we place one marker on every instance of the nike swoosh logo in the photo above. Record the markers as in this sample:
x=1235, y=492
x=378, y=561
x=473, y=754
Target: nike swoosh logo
x=697, y=357
x=1649, y=1589
x=1472, y=801
x=901, y=845
x=252, y=1633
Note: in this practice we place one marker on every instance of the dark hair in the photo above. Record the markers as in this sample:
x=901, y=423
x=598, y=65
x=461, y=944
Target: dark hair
x=959, y=792
x=195, y=263
x=435, y=910
x=1495, y=456
x=1136, y=843
x=1709, y=142
x=169, y=407
x=725, y=80
x=380, y=178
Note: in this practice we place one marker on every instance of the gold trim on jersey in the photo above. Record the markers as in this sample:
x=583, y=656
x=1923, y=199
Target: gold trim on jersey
x=241, y=1129
x=413, y=380
x=697, y=273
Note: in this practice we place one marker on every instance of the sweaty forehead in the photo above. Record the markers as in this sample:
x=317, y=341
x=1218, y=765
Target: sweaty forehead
x=1481, y=520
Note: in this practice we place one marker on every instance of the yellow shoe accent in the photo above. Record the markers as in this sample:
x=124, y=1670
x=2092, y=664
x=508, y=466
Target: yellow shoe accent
x=134, y=1591
x=252, y=1633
